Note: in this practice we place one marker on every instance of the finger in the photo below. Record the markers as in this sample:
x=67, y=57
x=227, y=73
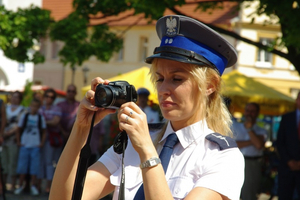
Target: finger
x=89, y=94
x=130, y=112
x=96, y=81
x=124, y=118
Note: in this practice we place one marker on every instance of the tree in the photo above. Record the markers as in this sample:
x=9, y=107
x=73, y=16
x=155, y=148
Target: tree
x=286, y=14
x=83, y=39
x=20, y=33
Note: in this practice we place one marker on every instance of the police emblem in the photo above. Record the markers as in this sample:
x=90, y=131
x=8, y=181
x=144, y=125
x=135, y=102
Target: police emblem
x=172, y=26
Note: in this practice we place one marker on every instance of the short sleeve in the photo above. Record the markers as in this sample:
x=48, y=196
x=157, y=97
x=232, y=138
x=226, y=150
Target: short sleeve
x=21, y=120
x=223, y=172
x=111, y=160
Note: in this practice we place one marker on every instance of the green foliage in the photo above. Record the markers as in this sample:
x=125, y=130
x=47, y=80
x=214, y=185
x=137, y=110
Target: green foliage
x=21, y=31
x=27, y=94
x=82, y=41
x=283, y=13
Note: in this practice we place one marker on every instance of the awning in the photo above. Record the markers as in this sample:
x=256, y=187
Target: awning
x=242, y=89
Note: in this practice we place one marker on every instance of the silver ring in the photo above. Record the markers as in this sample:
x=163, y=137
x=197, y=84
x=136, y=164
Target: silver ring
x=130, y=113
x=127, y=117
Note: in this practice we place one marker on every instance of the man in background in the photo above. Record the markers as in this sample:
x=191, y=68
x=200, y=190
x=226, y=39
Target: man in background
x=288, y=146
x=143, y=99
x=251, y=138
x=69, y=109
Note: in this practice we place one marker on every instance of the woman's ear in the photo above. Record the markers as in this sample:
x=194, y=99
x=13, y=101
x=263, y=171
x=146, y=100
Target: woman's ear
x=211, y=86
x=210, y=89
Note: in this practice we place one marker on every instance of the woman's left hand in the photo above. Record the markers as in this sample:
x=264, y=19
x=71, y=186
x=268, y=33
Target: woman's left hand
x=134, y=121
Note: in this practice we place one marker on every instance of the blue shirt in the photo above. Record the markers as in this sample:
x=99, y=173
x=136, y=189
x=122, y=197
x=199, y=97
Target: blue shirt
x=241, y=134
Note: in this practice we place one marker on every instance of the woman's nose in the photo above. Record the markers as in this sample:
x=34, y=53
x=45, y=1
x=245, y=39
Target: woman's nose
x=164, y=88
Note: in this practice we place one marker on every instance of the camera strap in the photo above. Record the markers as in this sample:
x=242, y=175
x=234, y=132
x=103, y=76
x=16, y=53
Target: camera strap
x=120, y=144
x=84, y=157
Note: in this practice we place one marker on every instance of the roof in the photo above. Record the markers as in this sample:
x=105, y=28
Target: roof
x=62, y=8
x=59, y=8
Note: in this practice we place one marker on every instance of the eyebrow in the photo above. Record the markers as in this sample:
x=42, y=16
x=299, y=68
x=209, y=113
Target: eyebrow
x=173, y=71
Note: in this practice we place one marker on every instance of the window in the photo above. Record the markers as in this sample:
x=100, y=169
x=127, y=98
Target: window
x=55, y=50
x=21, y=67
x=143, y=48
x=120, y=55
x=43, y=47
x=264, y=58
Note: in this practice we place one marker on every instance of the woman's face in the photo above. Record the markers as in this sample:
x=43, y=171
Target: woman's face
x=15, y=99
x=49, y=98
x=177, y=93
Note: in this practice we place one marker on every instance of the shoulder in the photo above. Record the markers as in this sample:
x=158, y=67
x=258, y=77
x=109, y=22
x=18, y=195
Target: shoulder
x=289, y=115
x=224, y=142
x=61, y=103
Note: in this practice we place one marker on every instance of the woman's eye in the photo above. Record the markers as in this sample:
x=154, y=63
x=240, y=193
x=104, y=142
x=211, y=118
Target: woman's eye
x=159, y=80
x=177, y=79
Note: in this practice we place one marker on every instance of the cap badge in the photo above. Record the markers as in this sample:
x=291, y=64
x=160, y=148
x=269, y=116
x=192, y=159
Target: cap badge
x=172, y=26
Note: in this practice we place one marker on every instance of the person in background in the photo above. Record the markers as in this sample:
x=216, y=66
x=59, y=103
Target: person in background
x=251, y=138
x=69, y=109
x=143, y=100
x=54, y=141
x=191, y=155
x=2, y=120
x=10, y=149
x=288, y=147
x=31, y=136
x=2, y=126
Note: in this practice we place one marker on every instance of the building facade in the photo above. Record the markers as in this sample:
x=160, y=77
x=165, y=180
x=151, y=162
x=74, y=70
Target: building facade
x=13, y=75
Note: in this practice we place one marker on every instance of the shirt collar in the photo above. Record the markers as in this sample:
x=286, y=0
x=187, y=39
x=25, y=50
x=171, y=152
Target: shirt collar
x=189, y=134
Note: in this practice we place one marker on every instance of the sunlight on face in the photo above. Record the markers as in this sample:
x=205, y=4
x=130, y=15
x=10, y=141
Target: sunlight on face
x=176, y=93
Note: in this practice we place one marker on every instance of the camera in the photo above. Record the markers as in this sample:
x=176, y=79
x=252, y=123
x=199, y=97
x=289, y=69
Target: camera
x=114, y=94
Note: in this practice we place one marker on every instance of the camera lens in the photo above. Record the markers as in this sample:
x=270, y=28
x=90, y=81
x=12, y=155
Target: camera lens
x=104, y=96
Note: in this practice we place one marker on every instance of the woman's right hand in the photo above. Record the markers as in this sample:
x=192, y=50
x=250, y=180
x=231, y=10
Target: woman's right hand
x=87, y=106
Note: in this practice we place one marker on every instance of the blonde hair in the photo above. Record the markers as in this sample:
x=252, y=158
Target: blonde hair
x=211, y=106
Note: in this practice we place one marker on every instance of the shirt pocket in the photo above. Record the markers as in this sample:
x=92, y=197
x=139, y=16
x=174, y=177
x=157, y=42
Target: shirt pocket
x=180, y=186
x=133, y=177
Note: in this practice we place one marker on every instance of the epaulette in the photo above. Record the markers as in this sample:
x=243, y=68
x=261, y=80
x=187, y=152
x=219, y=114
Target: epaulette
x=224, y=142
x=155, y=126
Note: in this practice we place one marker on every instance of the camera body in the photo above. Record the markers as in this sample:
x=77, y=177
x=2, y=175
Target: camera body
x=114, y=94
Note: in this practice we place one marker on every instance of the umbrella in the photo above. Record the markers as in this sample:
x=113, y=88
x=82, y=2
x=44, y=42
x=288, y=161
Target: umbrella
x=138, y=78
x=242, y=89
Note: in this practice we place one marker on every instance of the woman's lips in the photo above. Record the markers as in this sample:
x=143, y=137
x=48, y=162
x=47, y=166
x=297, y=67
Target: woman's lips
x=167, y=104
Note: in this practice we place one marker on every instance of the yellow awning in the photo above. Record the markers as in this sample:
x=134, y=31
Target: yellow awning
x=242, y=89
x=138, y=78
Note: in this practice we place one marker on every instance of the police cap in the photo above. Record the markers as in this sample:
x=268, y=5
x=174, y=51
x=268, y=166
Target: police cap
x=187, y=40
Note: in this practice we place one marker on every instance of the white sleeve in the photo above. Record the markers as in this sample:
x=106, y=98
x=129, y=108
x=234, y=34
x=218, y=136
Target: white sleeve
x=223, y=172
x=111, y=160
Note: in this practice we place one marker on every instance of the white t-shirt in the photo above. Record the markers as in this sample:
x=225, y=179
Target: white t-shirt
x=195, y=162
x=31, y=135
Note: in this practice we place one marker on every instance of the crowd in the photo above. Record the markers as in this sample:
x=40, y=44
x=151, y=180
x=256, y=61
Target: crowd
x=32, y=138
x=199, y=151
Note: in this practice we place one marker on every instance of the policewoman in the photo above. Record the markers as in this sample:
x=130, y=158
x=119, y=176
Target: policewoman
x=191, y=156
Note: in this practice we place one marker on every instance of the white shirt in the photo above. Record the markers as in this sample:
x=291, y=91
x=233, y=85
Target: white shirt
x=241, y=134
x=152, y=115
x=195, y=162
x=31, y=134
